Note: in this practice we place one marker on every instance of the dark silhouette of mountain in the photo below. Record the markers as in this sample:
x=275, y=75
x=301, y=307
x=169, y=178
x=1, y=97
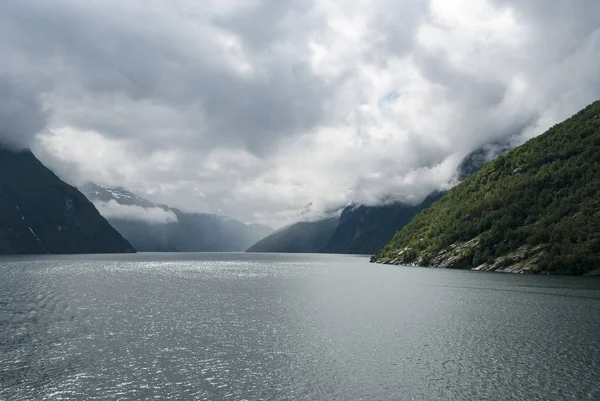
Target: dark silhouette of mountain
x=360, y=229
x=366, y=229
x=302, y=237
x=181, y=232
x=39, y=213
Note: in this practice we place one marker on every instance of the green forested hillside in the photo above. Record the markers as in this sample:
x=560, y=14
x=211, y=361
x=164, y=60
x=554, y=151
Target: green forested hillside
x=535, y=209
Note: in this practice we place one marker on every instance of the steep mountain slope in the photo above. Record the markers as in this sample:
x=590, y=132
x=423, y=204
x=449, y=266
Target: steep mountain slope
x=152, y=227
x=366, y=229
x=535, y=209
x=302, y=237
x=39, y=213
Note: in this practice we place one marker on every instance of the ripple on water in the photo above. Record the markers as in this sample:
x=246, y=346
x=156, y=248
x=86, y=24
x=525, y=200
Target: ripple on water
x=290, y=327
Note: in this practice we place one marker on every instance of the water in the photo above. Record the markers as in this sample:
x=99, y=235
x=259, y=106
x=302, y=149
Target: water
x=290, y=327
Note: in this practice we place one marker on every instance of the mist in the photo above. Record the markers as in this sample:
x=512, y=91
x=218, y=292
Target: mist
x=153, y=215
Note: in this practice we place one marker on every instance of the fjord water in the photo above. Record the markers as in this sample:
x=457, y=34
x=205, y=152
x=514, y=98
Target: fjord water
x=290, y=327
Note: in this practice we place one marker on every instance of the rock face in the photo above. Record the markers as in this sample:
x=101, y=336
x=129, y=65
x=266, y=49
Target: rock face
x=153, y=227
x=460, y=256
x=39, y=213
x=535, y=209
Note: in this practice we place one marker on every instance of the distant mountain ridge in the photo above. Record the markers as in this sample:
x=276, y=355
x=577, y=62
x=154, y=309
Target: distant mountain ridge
x=175, y=231
x=301, y=237
x=366, y=229
x=39, y=213
x=362, y=229
x=359, y=229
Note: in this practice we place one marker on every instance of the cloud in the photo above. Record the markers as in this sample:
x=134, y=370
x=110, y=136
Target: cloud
x=154, y=215
x=22, y=114
x=255, y=109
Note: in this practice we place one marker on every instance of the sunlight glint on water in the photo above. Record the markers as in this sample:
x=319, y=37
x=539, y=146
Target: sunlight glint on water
x=287, y=327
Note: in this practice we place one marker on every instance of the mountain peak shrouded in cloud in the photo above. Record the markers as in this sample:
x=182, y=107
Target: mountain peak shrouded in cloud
x=118, y=203
x=153, y=227
x=255, y=109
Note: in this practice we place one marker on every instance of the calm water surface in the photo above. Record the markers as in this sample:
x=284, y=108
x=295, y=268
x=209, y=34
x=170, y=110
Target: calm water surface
x=290, y=327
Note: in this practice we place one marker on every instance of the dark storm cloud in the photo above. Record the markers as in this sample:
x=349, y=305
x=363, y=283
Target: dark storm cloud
x=98, y=51
x=21, y=114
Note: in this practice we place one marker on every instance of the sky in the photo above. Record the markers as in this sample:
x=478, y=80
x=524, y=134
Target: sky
x=273, y=110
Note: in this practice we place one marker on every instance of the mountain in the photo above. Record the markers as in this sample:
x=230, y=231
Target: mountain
x=535, y=209
x=302, y=237
x=119, y=195
x=366, y=229
x=152, y=227
x=359, y=230
x=39, y=213
x=475, y=160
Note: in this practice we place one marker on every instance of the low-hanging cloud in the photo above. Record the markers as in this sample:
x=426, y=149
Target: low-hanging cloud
x=154, y=215
x=255, y=109
x=22, y=114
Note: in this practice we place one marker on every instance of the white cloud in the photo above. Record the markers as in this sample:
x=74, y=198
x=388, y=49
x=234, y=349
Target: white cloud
x=255, y=109
x=155, y=215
